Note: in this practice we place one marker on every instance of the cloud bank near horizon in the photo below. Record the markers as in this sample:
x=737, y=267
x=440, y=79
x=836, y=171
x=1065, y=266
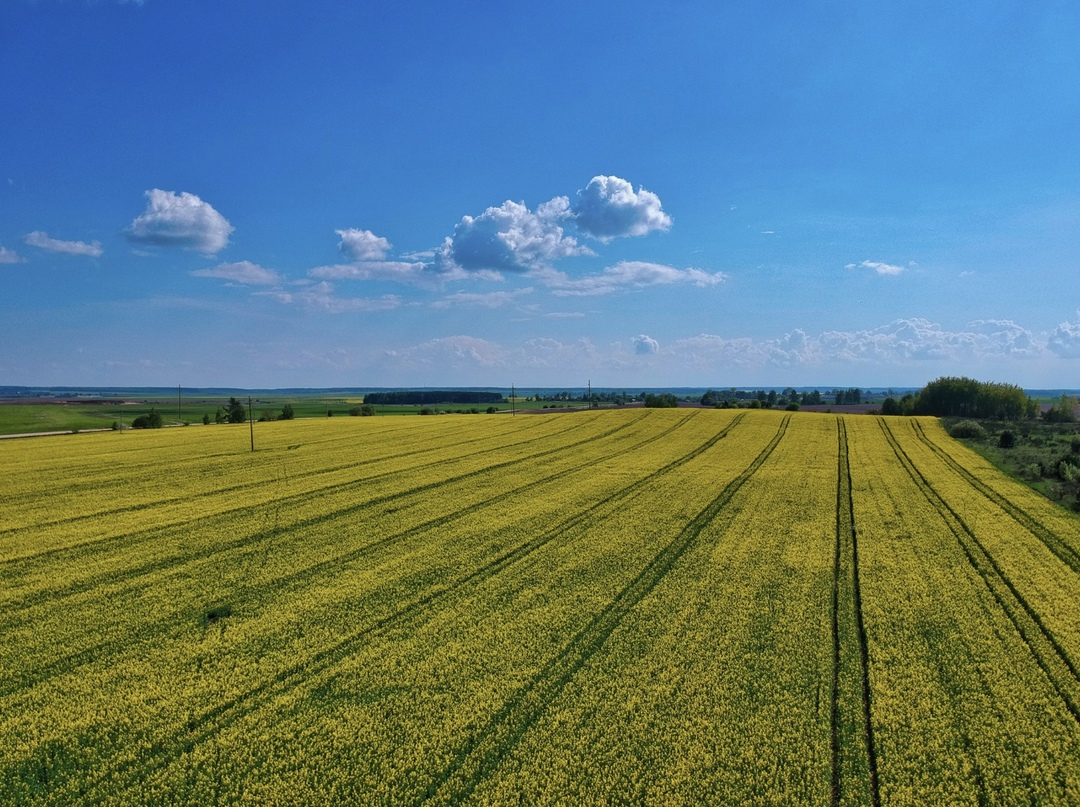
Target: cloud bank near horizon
x=895, y=344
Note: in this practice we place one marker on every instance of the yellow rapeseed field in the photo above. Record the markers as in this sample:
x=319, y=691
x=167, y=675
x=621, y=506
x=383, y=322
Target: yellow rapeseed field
x=635, y=606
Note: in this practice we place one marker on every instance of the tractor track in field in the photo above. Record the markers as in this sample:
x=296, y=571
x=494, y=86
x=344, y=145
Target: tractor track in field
x=1055, y=663
x=203, y=726
x=1064, y=552
x=89, y=655
x=846, y=569
x=483, y=751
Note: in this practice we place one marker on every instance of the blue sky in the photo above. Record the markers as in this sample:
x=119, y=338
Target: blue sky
x=277, y=194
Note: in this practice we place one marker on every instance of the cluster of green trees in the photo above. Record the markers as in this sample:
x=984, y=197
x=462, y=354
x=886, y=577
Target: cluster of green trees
x=967, y=398
x=664, y=400
x=904, y=406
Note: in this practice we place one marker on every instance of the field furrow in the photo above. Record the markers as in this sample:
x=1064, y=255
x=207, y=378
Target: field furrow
x=854, y=758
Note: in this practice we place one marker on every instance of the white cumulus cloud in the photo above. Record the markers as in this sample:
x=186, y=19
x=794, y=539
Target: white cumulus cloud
x=362, y=245
x=512, y=238
x=1065, y=340
x=42, y=241
x=244, y=272
x=645, y=345
x=877, y=266
x=610, y=208
x=180, y=220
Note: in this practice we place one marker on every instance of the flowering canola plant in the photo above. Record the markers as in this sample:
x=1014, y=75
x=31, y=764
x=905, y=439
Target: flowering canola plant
x=656, y=606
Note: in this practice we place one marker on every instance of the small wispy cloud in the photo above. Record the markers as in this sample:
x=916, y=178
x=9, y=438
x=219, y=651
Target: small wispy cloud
x=43, y=241
x=323, y=297
x=396, y=271
x=494, y=299
x=244, y=272
x=10, y=256
x=627, y=275
x=877, y=266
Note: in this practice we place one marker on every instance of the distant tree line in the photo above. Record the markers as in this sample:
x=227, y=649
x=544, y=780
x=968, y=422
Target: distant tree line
x=943, y=397
x=768, y=399
x=430, y=397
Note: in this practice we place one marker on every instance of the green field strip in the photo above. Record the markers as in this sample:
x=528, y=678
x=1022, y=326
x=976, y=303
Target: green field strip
x=854, y=775
x=1052, y=658
x=484, y=750
x=331, y=655
x=297, y=577
x=1064, y=551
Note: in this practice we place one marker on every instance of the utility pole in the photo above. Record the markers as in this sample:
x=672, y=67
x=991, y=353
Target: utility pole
x=590, y=393
x=251, y=426
x=178, y=416
x=513, y=404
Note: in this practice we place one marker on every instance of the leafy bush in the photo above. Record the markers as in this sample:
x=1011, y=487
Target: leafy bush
x=967, y=428
x=1007, y=439
x=151, y=420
